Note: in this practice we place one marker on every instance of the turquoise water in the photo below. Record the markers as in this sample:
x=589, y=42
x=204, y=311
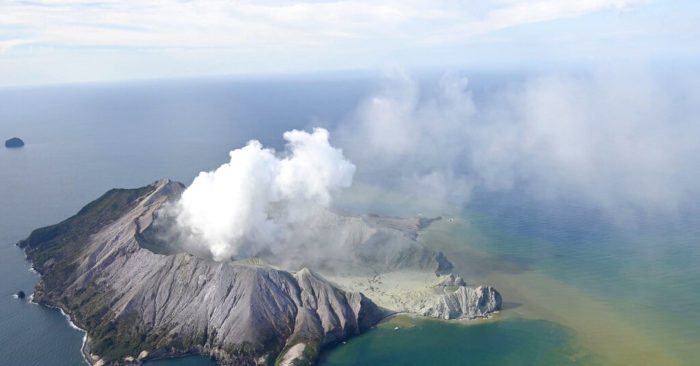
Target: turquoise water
x=573, y=281
x=647, y=273
x=429, y=342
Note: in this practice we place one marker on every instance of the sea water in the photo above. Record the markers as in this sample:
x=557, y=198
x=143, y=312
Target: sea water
x=609, y=292
x=432, y=342
x=577, y=288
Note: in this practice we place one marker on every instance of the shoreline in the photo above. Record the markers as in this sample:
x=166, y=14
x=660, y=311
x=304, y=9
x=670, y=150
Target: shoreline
x=84, y=346
x=419, y=283
x=464, y=321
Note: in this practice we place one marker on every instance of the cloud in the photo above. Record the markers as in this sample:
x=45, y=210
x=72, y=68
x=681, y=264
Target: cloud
x=216, y=23
x=513, y=14
x=244, y=207
x=622, y=140
x=68, y=40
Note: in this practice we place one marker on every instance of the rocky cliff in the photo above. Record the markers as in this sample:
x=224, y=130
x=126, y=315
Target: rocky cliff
x=462, y=303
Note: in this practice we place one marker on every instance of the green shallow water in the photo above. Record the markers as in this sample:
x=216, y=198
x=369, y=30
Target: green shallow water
x=429, y=342
x=622, y=294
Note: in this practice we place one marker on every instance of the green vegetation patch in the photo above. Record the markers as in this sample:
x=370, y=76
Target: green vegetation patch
x=52, y=249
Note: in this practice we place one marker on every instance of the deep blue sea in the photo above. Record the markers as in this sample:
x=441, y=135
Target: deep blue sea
x=578, y=289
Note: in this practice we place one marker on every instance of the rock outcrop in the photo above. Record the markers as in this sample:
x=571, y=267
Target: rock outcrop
x=136, y=304
x=421, y=293
x=463, y=303
x=14, y=142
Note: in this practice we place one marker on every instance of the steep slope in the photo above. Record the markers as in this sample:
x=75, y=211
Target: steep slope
x=136, y=304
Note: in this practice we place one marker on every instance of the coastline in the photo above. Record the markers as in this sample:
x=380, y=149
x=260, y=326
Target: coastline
x=84, y=349
x=85, y=346
x=88, y=357
x=401, y=292
x=406, y=292
x=463, y=321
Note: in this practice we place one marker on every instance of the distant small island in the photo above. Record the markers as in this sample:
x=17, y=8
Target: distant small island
x=14, y=143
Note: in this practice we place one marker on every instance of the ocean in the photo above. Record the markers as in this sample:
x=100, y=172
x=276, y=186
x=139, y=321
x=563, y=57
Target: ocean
x=577, y=288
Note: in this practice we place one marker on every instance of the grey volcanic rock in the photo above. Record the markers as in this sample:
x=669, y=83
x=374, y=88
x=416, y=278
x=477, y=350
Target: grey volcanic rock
x=131, y=300
x=20, y=294
x=464, y=303
x=355, y=244
x=451, y=280
x=140, y=297
x=14, y=142
x=444, y=266
x=418, y=292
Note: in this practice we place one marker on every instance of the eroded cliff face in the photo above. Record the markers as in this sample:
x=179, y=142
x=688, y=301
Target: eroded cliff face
x=462, y=303
x=140, y=299
x=135, y=303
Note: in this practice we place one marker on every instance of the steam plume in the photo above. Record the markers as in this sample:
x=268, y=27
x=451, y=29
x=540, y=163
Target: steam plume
x=622, y=140
x=243, y=207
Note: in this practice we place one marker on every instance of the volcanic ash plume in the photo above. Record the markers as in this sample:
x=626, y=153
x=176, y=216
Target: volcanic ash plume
x=245, y=206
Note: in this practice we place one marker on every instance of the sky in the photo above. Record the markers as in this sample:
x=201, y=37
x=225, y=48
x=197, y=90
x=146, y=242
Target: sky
x=66, y=41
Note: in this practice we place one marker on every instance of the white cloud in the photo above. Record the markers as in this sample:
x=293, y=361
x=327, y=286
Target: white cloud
x=217, y=23
x=518, y=13
x=297, y=36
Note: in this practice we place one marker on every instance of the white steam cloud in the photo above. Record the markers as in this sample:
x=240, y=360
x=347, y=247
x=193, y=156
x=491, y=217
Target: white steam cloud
x=624, y=141
x=244, y=207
